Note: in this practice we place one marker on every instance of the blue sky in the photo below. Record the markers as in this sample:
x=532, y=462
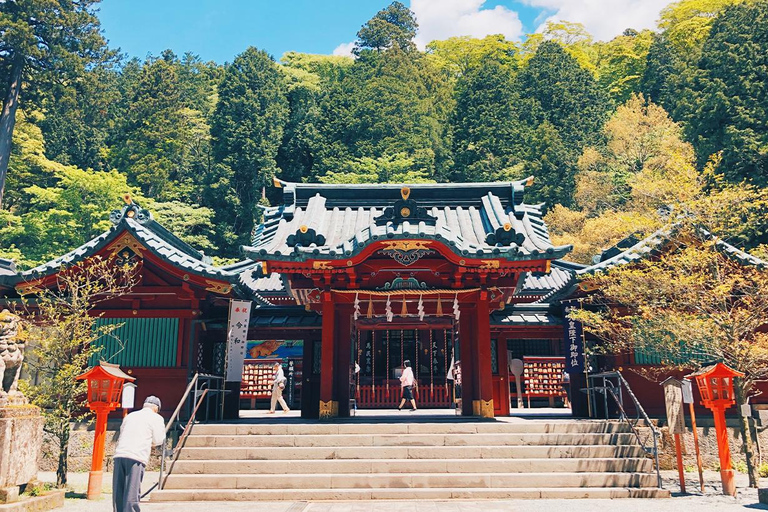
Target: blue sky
x=220, y=29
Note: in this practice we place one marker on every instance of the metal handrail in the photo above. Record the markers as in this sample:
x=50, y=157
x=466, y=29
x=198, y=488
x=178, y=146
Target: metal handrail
x=608, y=387
x=168, y=427
x=182, y=438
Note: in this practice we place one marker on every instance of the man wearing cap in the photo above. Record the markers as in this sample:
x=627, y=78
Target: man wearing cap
x=140, y=431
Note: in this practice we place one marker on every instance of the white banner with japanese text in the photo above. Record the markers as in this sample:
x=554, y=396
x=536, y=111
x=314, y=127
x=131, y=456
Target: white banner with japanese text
x=237, y=336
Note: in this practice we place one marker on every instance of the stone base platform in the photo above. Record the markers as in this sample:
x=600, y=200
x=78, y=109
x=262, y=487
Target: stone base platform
x=47, y=501
x=21, y=437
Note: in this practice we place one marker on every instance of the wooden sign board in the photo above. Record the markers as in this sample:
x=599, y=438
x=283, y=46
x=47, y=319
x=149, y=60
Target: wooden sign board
x=673, y=399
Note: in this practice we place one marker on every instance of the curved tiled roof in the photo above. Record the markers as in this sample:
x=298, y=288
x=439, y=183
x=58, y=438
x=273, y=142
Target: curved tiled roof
x=148, y=233
x=656, y=241
x=346, y=217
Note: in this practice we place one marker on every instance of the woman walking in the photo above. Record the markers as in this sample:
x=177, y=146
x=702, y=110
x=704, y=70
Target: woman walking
x=278, y=384
x=407, y=382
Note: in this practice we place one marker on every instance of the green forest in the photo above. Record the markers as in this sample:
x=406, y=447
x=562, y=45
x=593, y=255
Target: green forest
x=619, y=135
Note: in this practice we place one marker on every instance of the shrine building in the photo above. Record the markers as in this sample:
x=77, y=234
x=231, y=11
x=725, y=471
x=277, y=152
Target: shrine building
x=348, y=282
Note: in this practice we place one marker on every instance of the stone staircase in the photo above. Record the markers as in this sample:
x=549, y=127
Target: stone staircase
x=435, y=460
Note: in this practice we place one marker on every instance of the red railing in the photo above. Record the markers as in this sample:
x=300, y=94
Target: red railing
x=380, y=396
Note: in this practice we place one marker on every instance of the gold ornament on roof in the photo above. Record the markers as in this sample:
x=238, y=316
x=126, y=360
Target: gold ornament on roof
x=303, y=228
x=405, y=192
x=405, y=212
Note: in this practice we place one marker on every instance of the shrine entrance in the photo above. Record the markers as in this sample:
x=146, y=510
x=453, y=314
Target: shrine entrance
x=401, y=273
x=379, y=353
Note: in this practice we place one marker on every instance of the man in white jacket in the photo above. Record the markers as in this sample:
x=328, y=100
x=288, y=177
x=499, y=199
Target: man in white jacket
x=140, y=431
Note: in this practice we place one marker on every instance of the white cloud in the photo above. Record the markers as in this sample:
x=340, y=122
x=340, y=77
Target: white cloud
x=344, y=49
x=441, y=19
x=604, y=19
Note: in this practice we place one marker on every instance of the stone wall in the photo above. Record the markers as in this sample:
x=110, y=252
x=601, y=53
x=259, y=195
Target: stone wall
x=81, y=446
x=707, y=445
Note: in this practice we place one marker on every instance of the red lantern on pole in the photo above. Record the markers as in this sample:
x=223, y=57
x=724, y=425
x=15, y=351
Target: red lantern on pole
x=715, y=384
x=105, y=383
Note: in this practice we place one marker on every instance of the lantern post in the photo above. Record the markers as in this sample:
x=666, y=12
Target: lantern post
x=105, y=384
x=715, y=384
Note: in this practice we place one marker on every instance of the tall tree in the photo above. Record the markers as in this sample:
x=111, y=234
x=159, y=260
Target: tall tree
x=41, y=36
x=568, y=94
x=490, y=130
x=384, y=104
x=621, y=63
x=724, y=104
x=392, y=27
x=246, y=133
x=664, y=71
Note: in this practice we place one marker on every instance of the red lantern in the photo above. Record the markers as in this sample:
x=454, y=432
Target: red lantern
x=105, y=383
x=715, y=384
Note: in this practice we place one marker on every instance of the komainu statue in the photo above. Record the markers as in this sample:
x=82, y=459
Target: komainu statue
x=11, y=357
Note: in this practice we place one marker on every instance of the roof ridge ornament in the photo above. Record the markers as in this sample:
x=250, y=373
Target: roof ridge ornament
x=405, y=210
x=505, y=235
x=304, y=237
x=131, y=210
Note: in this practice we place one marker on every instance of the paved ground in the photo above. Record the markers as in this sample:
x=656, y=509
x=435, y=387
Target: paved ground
x=710, y=501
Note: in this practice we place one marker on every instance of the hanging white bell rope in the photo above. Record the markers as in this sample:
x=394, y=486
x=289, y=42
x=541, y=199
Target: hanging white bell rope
x=388, y=310
x=420, y=308
x=357, y=308
x=456, y=312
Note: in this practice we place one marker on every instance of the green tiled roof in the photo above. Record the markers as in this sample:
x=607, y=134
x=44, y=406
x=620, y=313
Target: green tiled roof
x=344, y=219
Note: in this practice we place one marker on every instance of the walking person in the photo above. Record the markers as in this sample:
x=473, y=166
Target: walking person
x=140, y=431
x=278, y=385
x=407, y=382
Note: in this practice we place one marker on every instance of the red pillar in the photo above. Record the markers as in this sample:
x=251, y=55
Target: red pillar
x=343, y=352
x=483, y=405
x=501, y=351
x=467, y=356
x=329, y=408
x=97, y=460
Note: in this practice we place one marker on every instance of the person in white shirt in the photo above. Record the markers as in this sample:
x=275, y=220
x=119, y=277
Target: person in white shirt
x=278, y=384
x=407, y=381
x=140, y=431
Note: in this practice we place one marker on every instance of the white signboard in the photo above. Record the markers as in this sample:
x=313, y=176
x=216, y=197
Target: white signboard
x=687, y=392
x=237, y=335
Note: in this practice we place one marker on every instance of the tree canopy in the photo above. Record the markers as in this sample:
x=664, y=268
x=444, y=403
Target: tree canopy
x=612, y=131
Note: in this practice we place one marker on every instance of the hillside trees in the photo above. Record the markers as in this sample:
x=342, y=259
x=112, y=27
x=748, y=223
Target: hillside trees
x=41, y=37
x=385, y=103
x=723, y=105
x=642, y=167
x=247, y=128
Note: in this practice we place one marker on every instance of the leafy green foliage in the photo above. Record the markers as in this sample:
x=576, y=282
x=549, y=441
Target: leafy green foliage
x=247, y=128
x=200, y=142
x=392, y=27
x=724, y=103
x=62, y=342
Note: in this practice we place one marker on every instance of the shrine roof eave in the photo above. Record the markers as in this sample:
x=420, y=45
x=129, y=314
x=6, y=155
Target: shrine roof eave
x=534, y=314
x=147, y=237
x=655, y=243
x=360, y=250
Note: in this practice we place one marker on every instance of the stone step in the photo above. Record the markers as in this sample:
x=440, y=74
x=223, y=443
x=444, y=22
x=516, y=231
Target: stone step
x=407, y=480
x=221, y=495
x=494, y=427
x=371, y=466
x=419, y=452
x=362, y=441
